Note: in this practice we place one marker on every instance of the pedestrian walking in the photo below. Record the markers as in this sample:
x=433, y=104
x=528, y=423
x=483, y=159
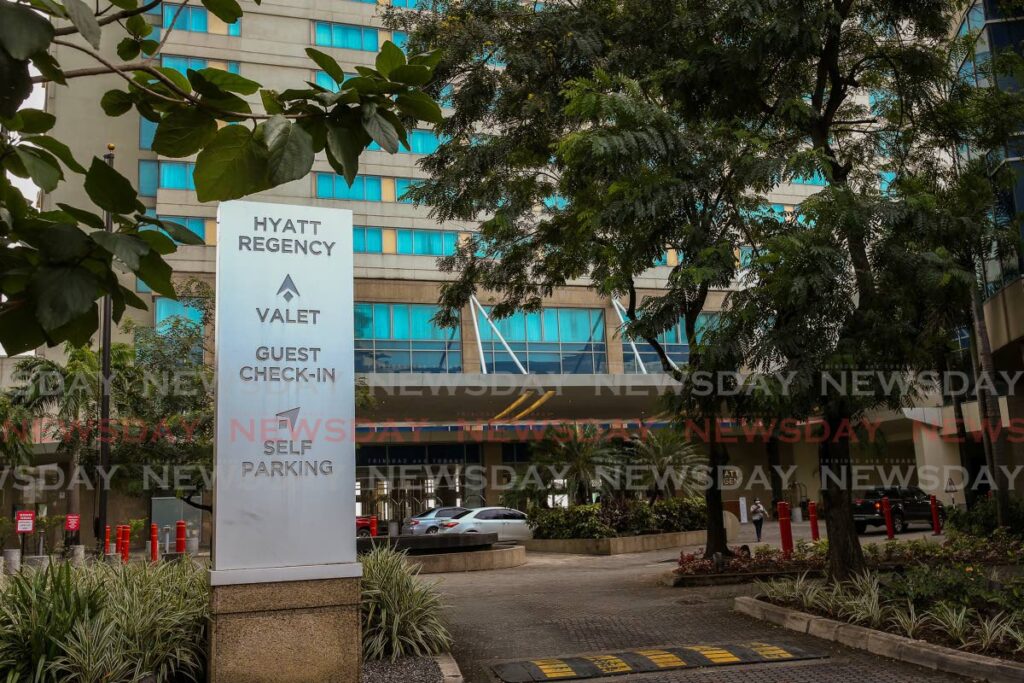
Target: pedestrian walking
x=757, y=515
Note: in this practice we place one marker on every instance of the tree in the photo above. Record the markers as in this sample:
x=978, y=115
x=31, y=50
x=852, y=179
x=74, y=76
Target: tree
x=578, y=455
x=670, y=460
x=57, y=264
x=65, y=397
x=580, y=164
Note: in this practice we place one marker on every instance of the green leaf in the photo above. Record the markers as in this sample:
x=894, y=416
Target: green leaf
x=62, y=293
x=128, y=49
x=30, y=121
x=183, y=132
x=116, y=102
x=138, y=26
x=108, y=189
x=180, y=233
x=389, y=58
x=61, y=243
x=79, y=329
x=380, y=129
x=327, y=63
x=23, y=32
x=19, y=329
x=271, y=102
x=233, y=165
x=155, y=272
x=16, y=84
x=290, y=150
x=428, y=59
x=172, y=75
x=82, y=17
x=87, y=217
x=126, y=4
x=128, y=249
x=225, y=80
x=411, y=75
x=57, y=149
x=48, y=67
x=419, y=105
x=41, y=167
x=226, y=10
x=159, y=242
x=344, y=148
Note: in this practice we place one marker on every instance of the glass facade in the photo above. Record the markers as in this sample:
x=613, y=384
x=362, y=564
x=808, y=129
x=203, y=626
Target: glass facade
x=402, y=338
x=345, y=36
x=552, y=341
x=365, y=188
x=674, y=342
x=183, y=64
x=165, y=309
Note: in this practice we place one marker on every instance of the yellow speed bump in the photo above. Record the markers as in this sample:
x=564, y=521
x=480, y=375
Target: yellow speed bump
x=646, y=660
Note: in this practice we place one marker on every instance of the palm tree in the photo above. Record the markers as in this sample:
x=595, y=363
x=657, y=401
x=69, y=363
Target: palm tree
x=670, y=462
x=578, y=454
x=69, y=394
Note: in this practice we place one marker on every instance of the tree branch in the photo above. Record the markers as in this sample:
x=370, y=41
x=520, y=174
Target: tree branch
x=123, y=14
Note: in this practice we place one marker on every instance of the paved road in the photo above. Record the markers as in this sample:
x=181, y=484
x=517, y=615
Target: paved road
x=561, y=605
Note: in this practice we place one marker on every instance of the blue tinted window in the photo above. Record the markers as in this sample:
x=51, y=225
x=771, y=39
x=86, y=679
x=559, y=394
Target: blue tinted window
x=363, y=188
x=147, y=129
x=400, y=38
x=366, y=240
x=345, y=36
x=194, y=224
x=177, y=175
x=402, y=186
x=149, y=178
x=141, y=287
x=402, y=338
x=423, y=142
x=551, y=341
x=165, y=309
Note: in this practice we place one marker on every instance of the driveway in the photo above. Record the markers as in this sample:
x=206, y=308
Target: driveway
x=564, y=605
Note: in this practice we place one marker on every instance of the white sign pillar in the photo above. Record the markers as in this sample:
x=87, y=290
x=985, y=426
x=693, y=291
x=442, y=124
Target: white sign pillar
x=284, y=493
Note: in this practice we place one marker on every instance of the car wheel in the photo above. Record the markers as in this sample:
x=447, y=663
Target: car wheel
x=432, y=530
x=900, y=523
x=861, y=527
x=363, y=533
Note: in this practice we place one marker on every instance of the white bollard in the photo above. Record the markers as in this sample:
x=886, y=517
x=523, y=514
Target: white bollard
x=12, y=561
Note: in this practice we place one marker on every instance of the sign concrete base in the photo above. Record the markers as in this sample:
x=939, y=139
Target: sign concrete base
x=283, y=632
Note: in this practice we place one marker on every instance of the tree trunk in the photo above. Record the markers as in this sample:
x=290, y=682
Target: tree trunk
x=845, y=557
x=991, y=415
x=771, y=448
x=717, y=541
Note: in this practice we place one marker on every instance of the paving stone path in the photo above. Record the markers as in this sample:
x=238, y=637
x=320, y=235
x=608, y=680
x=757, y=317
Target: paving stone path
x=562, y=605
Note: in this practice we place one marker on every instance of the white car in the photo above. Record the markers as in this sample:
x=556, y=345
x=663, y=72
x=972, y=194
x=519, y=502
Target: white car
x=510, y=525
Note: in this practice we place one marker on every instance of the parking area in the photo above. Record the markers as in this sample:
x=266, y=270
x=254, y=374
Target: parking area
x=559, y=607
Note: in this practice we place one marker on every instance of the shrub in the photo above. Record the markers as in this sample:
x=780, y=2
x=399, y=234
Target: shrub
x=401, y=616
x=980, y=519
x=105, y=623
x=628, y=517
x=680, y=514
x=580, y=521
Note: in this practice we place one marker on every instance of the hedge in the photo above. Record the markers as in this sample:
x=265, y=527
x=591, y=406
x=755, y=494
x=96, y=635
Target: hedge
x=629, y=518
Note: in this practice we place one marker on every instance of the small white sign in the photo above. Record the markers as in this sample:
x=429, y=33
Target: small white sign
x=284, y=494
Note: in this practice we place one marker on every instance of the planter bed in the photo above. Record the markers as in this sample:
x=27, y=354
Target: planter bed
x=620, y=545
x=676, y=579
x=918, y=652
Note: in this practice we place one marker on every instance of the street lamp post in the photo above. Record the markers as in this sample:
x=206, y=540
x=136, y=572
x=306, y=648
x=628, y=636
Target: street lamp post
x=106, y=323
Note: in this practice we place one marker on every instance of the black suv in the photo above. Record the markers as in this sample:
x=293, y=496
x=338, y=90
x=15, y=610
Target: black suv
x=909, y=504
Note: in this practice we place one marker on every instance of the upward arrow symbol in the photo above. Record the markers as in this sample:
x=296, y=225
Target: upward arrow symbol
x=288, y=288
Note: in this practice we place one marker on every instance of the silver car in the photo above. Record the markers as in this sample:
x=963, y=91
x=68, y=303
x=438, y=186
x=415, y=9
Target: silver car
x=429, y=522
x=510, y=525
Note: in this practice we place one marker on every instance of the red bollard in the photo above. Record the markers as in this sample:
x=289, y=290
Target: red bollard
x=936, y=522
x=785, y=529
x=374, y=525
x=119, y=543
x=126, y=550
x=890, y=530
x=106, y=540
x=179, y=540
x=154, y=543
x=812, y=514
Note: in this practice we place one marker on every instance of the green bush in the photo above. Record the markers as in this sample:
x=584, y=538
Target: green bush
x=680, y=514
x=401, y=615
x=104, y=623
x=980, y=520
x=580, y=521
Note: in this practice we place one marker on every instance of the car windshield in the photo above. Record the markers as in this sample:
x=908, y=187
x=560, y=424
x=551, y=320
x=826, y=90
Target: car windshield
x=462, y=514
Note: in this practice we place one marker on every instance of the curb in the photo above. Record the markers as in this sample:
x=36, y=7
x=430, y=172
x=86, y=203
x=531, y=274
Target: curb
x=450, y=672
x=917, y=652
